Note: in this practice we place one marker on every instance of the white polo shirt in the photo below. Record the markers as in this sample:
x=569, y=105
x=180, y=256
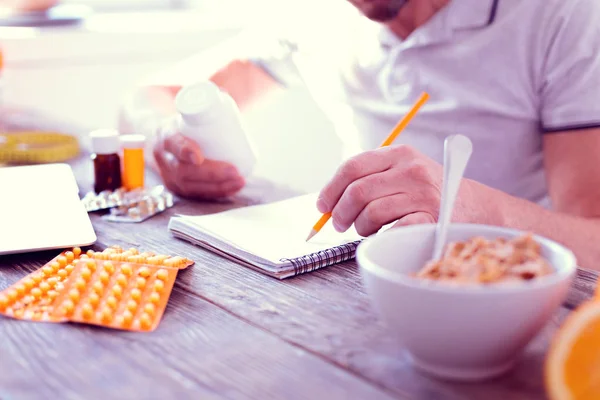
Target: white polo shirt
x=502, y=72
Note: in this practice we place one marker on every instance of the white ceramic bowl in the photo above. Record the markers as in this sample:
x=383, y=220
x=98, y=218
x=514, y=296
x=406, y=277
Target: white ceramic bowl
x=459, y=332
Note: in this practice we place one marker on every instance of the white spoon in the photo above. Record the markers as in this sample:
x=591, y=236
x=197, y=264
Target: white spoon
x=457, y=152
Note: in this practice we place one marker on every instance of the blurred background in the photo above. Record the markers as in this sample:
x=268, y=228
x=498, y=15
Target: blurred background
x=75, y=60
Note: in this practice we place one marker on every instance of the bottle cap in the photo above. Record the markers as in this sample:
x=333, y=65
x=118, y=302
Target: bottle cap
x=133, y=141
x=197, y=101
x=105, y=141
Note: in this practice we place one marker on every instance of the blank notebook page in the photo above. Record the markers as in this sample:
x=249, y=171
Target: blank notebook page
x=270, y=232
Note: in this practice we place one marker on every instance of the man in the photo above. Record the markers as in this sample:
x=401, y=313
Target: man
x=521, y=78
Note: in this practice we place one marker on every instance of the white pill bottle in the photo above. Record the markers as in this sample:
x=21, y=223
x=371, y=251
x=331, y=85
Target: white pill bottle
x=210, y=117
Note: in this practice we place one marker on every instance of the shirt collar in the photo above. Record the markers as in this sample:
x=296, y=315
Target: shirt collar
x=469, y=14
x=457, y=15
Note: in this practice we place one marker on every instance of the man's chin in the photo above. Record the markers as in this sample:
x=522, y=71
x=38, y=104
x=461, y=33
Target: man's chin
x=380, y=14
x=379, y=10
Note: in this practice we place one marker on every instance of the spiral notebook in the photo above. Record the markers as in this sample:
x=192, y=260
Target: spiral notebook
x=270, y=238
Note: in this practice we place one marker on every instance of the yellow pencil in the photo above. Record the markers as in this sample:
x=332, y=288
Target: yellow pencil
x=389, y=140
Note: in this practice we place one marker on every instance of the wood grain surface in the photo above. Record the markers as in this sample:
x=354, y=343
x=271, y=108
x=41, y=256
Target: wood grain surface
x=230, y=332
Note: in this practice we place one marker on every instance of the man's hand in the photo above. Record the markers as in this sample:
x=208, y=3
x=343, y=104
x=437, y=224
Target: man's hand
x=381, y=186
x=187, y=173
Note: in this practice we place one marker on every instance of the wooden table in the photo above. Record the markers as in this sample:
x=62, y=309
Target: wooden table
x=229, y=332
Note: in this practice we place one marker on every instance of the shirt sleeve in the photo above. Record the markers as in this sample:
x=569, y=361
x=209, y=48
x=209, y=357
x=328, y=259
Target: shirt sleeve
x=570, y=91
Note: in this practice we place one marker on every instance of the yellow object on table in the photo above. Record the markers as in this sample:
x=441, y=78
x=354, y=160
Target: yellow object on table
x=573, y=362
x=133, y=161
x=37, y=147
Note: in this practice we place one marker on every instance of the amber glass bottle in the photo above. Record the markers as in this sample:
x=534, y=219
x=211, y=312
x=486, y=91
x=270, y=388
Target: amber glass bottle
x=107, y=162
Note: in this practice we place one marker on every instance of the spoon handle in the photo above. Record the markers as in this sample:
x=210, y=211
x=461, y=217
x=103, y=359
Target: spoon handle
x=457, y=151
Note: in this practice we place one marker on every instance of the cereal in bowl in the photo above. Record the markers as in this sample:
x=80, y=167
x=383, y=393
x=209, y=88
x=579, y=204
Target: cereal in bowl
x=479, y=260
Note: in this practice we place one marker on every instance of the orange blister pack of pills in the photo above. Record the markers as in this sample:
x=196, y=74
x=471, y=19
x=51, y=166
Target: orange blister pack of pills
x=114, y=288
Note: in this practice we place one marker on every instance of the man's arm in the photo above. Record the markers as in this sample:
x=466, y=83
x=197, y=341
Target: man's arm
x=226, y=65
x=399, y=184
x=570, y=117
x=573, y=175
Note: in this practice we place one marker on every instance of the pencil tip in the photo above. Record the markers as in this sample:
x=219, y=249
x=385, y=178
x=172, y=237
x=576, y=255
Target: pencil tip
x=311, y=235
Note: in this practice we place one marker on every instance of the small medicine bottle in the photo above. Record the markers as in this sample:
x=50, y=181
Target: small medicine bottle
x=107, y=163
x=211, y=118
x=133, y=161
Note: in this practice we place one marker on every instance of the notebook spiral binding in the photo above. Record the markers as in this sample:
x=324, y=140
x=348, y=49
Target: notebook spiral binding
x=325, y=258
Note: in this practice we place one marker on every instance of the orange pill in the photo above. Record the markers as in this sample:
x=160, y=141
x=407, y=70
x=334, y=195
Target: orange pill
x=68, y=307
x=77, y=251
x=104, y=277
x=69, y=268
x=145, y=321
x=20, y=288
x=158, y=286
x=127, y=317
x=86, y=273
x=121, y=280
x=149, y=309
x=109, y=267
x=35, y=292
x=91, y=264
x=111, y=301
x=47, y=270
x=133, y=251
x=62, y=273
x=90, y=253
x=107, y=315
x=29, y=283
x=140, y=282
x=162, y=274
x=44, y=287
x=98, y=287
x=59, y=286
x=114, y=257
x=132, y=305
x=126, y=269
x=62, y=260
x=55, y=266
x=52, y=294
x=4, y=302
x=84, y=257
x=117, y=291
x=144, y=272
x=20, y=313
x=70, y=256
x=87, y=311
x=74, y=294
x=93, y=299
x=179, y=261
x=52, y=281
x=37, y=277
x=136, y=294
x=154, y=298
x=80, y=283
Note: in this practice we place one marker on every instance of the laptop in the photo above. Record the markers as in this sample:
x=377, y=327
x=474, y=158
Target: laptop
x=40, y=209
